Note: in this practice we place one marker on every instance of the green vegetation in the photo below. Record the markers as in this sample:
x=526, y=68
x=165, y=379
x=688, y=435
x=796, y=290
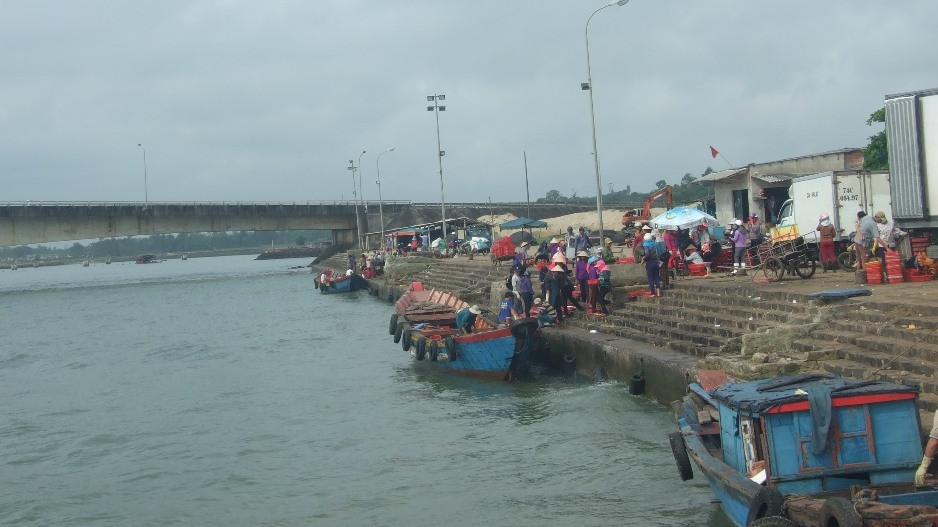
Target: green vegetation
x=686, y=191
x=875, y=155
x=167, y=243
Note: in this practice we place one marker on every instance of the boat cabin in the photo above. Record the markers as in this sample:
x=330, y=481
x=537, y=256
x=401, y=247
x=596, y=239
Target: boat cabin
x=817, y=433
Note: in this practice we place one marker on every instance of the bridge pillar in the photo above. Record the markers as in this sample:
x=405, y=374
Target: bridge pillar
x=345, y=237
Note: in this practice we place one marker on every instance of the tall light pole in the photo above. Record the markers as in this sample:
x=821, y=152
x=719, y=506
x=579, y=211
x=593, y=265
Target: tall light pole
x=361, y=197
x=436, y=108
x=588, y=86
x=358, y=225
x=380, y=199
x=146, y=197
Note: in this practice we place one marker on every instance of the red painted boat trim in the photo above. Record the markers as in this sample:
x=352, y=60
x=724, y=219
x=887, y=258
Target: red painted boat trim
x=855, y=400
x=485, y=335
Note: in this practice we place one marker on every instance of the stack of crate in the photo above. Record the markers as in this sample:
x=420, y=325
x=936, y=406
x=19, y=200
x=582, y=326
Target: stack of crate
x=893, y=267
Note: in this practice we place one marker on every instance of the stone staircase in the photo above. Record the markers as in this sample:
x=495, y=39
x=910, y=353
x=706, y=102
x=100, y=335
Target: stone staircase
x=470, y=281
x=756, y=334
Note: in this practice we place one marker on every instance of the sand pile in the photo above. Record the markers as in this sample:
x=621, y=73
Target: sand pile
x=612, y=220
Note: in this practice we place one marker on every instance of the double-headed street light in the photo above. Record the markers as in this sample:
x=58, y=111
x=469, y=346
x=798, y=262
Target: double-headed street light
x=588, y=86
x=358, y=225
x=145, y=193
x=436, y=108
x=380, y=199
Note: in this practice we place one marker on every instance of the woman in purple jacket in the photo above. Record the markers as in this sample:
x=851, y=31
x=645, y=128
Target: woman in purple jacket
x=581, y=272
x=739, y=248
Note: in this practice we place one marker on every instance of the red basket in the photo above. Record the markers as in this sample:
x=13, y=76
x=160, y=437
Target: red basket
x=874, y=278
x=895, y=280
x=920, y=278
x=626, y=260
x=697, y=269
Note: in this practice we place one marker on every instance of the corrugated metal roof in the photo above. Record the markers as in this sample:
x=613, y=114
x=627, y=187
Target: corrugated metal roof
x=775, y=178
x=722, y=174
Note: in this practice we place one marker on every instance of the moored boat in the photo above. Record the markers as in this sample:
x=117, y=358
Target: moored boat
x=806, y=450
x=424, y=323
x=328, y=282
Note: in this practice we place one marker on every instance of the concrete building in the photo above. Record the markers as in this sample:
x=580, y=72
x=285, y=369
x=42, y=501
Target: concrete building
x=763, y=187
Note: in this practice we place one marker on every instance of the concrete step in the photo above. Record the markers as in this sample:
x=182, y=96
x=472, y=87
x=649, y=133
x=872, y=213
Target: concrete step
x=714, y=312
x=889, y=346
x=754, y=300
x=651, y=332
x=897, y=332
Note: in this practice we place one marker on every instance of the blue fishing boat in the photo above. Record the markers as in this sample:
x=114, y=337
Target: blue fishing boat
x=806, y=450
x=424, y=323
x=328, y=283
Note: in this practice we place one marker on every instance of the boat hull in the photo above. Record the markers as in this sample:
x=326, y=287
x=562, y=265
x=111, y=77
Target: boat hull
x=345, y=284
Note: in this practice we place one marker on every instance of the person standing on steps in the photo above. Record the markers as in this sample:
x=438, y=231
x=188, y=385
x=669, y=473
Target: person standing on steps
x=606, y=253
x=581, y=273
x=867, y=235
x=526, y=288
x=652, y=265
x=555, y=291
x=582, y=241
x=592, y=281
x=739, y=248
x=605, y=285
x=826, y=235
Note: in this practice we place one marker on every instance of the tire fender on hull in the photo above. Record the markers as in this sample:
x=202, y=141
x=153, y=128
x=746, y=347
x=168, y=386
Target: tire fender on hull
x=421, y=347
x=767, y=502
x=392, y=327
x=840, y=512
x=405, y=340
x=679, y=449
x=450, y=348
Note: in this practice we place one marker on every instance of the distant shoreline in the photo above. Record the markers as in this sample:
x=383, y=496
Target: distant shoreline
x=25, y=264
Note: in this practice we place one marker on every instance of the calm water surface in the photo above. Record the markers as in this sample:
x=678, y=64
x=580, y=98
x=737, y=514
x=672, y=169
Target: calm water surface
x=227, y=391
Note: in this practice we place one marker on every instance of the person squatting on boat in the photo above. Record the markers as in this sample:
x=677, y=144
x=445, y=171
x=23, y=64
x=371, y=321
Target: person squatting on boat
x=931, y=447
x=466, y=318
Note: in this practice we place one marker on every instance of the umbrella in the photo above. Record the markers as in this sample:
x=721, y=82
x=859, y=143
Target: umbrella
x=683, y=218
x=522, y=223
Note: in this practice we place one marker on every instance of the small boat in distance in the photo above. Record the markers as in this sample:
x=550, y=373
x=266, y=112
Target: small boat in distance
x=147, y=258
x=330, y=282
x=424, y=323
x=806, y=450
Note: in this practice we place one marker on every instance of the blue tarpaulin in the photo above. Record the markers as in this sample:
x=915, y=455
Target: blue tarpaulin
x=520, y=223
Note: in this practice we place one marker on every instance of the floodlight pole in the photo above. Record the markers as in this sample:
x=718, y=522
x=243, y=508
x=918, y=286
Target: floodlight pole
x=436, y=109
x=358, y=225
x=380, y=199
x=589, y=87
x=146, y=198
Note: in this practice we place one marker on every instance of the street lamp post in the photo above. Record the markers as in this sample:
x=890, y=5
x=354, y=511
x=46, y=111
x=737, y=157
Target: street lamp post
x=436, y=108
x=361, y=197
x=358, y=225
x=146, y=197
x=588, y=86
x=380, y=199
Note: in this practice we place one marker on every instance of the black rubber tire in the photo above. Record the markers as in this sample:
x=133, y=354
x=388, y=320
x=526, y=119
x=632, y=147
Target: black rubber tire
x=637, y=385
x=847, y=260
x=421, y=347
x=767, y=502
x=390, y=298
x=772, y=521
x=434, y=346
x=522, y=327
x=774, y=269
x=392, y=327
x=679, y=449
x=398, y=332
x=316, y=284
x=840, y=512
x=405, y=339
x=450, y=348
x=805, y=266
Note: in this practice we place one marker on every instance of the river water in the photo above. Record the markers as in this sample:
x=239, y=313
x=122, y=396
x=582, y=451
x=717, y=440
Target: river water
x=227, y=391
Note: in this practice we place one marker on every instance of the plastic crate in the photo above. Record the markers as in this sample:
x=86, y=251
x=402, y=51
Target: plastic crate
x=874, y=278
x=697, y=269
x=920, y=278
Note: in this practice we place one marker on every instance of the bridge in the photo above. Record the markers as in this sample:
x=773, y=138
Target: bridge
x=30, y=222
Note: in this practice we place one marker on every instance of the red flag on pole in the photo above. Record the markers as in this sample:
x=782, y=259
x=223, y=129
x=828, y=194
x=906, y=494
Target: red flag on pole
x=713, y=152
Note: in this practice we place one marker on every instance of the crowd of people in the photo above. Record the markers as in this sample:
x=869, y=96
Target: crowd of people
x=562, y=281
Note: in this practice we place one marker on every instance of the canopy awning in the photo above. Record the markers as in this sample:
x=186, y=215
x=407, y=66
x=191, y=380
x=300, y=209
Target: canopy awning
x=520, y=223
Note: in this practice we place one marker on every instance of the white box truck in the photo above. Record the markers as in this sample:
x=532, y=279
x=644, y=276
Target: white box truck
x=912, y=139
x=840, y=194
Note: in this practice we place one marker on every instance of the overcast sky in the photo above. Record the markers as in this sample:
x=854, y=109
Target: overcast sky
x=269, y=100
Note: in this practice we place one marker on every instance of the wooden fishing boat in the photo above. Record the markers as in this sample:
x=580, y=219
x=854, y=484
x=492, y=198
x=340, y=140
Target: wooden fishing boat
x=329, y=282
x=806, y=450
x=424, y=323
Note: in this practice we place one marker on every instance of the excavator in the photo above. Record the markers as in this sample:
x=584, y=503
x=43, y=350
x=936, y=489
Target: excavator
x=634, y=215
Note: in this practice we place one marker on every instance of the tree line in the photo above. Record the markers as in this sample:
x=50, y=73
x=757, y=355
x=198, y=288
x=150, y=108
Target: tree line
x=168, y=243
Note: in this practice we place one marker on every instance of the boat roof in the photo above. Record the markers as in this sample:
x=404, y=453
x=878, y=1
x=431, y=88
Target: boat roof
x=758, y=396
